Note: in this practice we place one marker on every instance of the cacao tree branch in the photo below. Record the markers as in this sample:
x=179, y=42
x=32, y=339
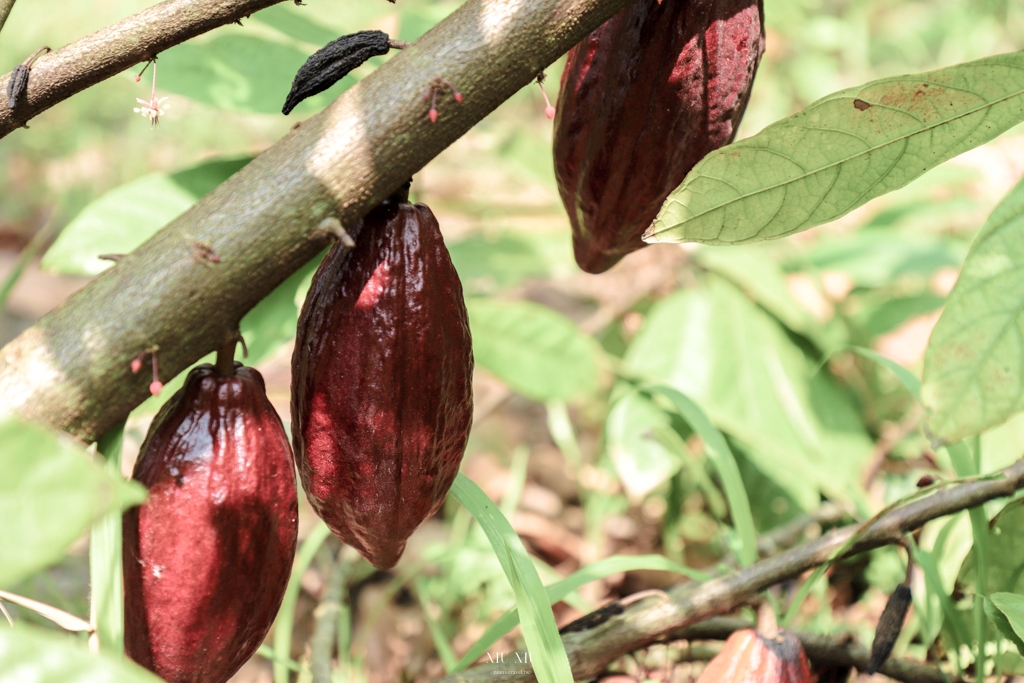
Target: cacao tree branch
x=72, y=369
x=836, y=650
x=73, y=68
x=616, y=629
x=5, y=11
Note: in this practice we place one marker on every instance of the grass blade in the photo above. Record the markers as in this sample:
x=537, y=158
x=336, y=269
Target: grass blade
x=547, y=654
x=722, y=458
x=561, y=589
x=286, y=615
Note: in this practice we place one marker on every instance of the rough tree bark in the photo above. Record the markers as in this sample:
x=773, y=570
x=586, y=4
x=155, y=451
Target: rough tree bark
x=73, y=68
x=72, y=369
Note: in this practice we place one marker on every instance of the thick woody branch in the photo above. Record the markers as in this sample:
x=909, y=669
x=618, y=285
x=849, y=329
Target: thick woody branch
x=72, y=369
x=833, y=650
x=73, y=68
x=616, y=629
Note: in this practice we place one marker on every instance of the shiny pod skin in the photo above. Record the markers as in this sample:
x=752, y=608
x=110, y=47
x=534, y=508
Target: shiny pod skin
x=645, y=97
x=382, y=370
x=208, y=555
x=751, y=658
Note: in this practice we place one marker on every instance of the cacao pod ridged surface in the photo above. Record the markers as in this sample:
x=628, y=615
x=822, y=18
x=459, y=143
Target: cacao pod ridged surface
x=645, y=97
x=748, y=657
x=208, y=556
x=382, y=372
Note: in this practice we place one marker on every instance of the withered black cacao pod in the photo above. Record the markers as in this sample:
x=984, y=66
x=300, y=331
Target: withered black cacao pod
x=208, y=555
x=382, y=397
x=644, y=98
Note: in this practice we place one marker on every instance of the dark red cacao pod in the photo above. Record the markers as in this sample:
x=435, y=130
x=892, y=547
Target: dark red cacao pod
x=208, y=555
x=644, y=98
x=382, y=370
x=751, y=658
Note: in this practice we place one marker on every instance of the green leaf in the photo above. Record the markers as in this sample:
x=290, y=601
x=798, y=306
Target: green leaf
x=539, y=353
x=494, y=260
x=30, y=655
x=721, y=456
x=973, y=367
x=105, y=577
x=547, y=653
x=130, y=214
x=908, y=379
x=642, y=460
x=561, y=589
x=295, y=25
x=841, y=152
x=752, y=269
x=876, y=258
x=272, y=321
x=240, y=73
x=1010, y=607
x=50, y=493
x=715, y=346
x=1005, y=553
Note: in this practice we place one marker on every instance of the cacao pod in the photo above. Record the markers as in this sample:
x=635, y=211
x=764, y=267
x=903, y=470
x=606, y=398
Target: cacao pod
x=208, y=555
x=382, y=370
x=751, y=658
x=645, y=97
x=889, y=626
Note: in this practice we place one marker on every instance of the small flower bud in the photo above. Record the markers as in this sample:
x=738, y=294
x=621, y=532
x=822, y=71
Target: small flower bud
x=155, y=387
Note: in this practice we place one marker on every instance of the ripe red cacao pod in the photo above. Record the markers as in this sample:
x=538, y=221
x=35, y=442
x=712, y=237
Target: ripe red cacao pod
x=645, y=97
x=751, y=658
x=382, y=370
x=208, y=555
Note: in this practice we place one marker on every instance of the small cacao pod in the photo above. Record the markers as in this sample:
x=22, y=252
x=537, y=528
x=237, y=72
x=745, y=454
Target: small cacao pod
x=889, y=626
x=752, y=658
x=645, y=97
x=208, y=555
x=382, y=370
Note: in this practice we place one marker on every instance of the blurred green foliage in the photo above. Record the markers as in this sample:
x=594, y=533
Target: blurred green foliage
x=758, y=336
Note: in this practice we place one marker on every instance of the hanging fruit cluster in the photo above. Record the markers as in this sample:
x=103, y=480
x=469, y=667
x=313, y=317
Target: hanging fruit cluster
x=382, y=405
x=382, y=367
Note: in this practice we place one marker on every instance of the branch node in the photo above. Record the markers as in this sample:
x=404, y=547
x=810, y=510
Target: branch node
x=333, y=227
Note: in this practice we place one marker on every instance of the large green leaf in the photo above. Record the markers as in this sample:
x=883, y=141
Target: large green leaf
x=50, y=493
x=128, y=215
x=759, y=275
x=29, y=655
x=240, y=73
x=974, y=365
x=842, y=151
x=714, y=345
x=539, y=353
